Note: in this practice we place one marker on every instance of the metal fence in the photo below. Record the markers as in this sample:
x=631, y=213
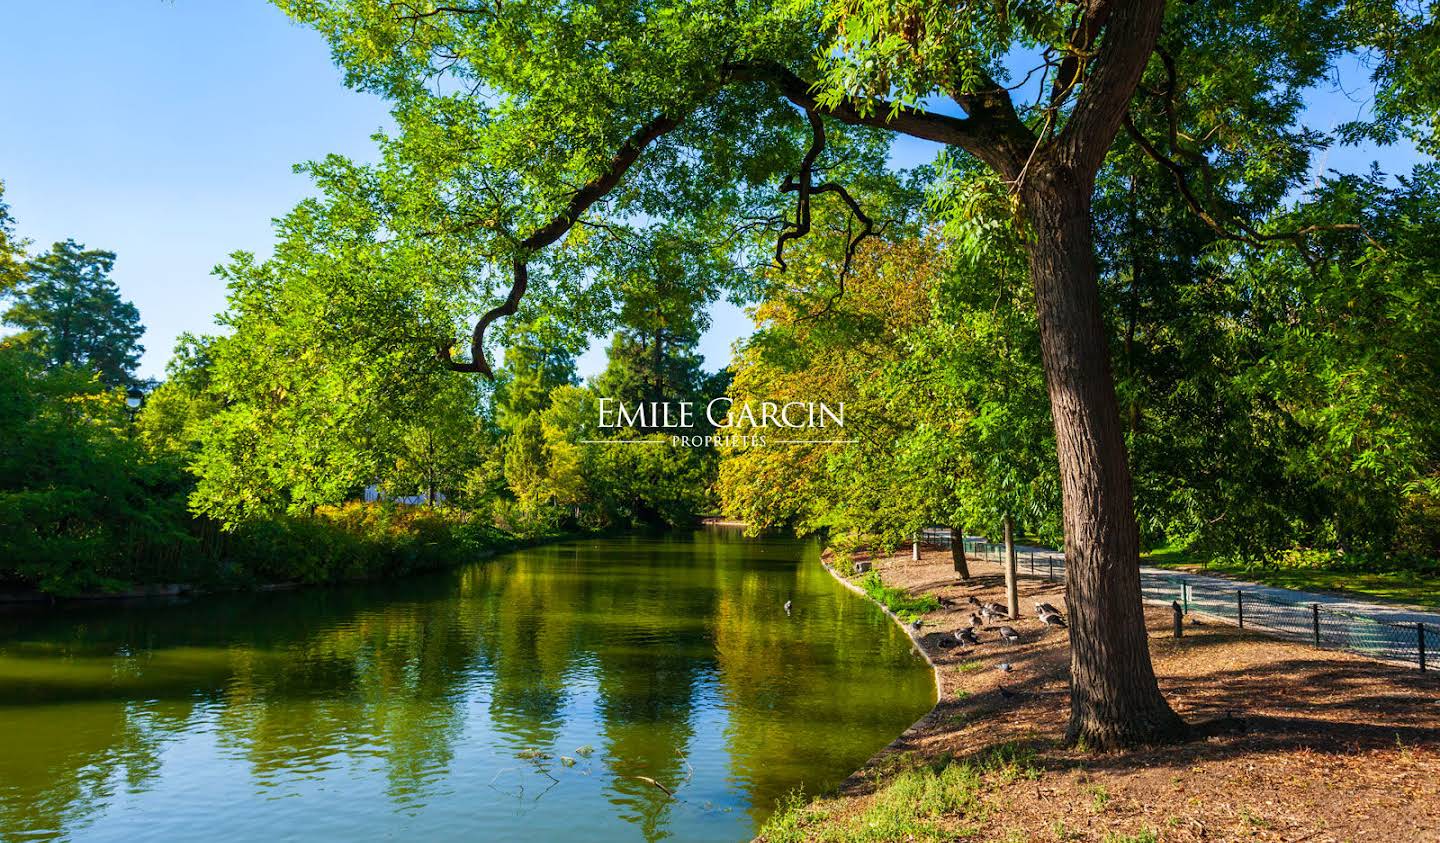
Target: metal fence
x=1416, y=644
x=1039, y=563
x=1312, y=623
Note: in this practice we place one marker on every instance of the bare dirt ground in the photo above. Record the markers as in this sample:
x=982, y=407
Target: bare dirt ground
x=1336, y=747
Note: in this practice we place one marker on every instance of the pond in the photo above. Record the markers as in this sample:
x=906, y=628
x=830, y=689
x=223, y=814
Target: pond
x=534, y=696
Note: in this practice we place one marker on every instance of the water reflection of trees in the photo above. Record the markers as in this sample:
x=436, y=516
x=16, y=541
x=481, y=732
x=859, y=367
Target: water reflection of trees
x=385, y=680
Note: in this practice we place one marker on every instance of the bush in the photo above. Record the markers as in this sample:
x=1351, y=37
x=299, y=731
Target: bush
x=359, y=541
x=82, y=506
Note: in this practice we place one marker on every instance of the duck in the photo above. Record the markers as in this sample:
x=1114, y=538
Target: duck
x=1009, y=634
x=1046, y=609
x=967, y=636
x=1052, y=619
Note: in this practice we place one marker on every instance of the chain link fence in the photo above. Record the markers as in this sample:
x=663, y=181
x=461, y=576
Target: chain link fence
x=1037, y=563
x=1415, y=644
x=1317, y=624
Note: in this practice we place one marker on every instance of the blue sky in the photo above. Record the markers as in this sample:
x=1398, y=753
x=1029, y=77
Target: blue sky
x=166, y=132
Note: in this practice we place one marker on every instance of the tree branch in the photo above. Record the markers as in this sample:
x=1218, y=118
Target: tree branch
x=1247, y=234
x=1130, y=32
x=587, y=195
x=991, y=131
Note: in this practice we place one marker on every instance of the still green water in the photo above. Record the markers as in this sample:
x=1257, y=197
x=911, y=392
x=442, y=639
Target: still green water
x=439, y=708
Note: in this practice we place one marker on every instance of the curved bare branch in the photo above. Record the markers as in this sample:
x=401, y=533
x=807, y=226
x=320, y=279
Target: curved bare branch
x=580, y=202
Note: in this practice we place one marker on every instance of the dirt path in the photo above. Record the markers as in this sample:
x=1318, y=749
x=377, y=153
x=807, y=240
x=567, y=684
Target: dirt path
x=1337, y=747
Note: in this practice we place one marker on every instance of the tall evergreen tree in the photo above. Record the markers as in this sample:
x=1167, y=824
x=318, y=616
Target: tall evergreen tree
x=534, y=365
x=70, y=312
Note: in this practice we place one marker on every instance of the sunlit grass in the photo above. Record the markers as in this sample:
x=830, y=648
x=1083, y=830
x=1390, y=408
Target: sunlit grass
x=933, y=803
x=1408, y=587
x=906, y=606
x=1143, y=836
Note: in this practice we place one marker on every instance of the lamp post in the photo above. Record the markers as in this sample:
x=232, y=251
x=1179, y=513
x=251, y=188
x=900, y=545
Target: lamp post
x=134, y=397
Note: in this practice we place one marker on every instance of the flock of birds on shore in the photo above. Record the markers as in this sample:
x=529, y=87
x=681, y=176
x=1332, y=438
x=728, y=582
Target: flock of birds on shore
x=987, y=613
x=981, y=619
x=982, y=615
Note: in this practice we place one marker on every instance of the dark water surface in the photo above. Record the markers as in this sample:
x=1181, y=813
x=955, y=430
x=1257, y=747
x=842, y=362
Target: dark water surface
x=439, y=708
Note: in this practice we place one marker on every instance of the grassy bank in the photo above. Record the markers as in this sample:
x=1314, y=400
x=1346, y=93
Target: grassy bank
x=903, y=604
x=358, y=542
x=916, y=800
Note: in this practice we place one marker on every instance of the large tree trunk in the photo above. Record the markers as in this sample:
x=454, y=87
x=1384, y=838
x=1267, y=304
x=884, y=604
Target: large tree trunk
x=1114, y=698
x=957, y=553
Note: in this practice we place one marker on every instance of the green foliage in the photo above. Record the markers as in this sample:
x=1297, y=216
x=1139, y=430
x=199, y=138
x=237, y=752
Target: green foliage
x=12, y=249
x=86, y=506
x=919, y=805
x=535, y=365
x=70, y=313
x=936, y=361
x=358, y=541
x=80, y=501
x=1277, y=398
x=174, y=413
x=527, y=462
x=1145, y=835
x=320, y=388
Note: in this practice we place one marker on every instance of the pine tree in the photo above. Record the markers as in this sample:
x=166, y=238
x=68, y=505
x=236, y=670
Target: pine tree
x=71, y=314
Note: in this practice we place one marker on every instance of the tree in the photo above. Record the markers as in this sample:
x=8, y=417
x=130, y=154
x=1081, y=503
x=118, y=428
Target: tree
x=594, y=115
x=324, y=378
x=435, y=452
x=176, y=411
x=12, y=249
x=527, y=463
x=535, y=364
x=935, y=358
x=71, y=313
x=653, y=354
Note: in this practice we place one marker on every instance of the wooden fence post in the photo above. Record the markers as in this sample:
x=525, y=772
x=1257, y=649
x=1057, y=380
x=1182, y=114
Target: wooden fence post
x=1315, y=610
x=1240, y=608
